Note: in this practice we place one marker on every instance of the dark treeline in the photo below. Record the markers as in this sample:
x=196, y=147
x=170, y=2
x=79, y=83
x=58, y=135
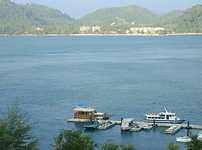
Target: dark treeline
x=16, y=134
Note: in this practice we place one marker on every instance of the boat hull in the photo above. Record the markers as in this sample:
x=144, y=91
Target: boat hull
x=135, y=129
x=166, y=121
x=184, y=139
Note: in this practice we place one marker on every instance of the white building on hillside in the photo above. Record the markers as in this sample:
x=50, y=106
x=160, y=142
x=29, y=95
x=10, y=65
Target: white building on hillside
x=151, y=30
x=96, y=28
x=85, y=29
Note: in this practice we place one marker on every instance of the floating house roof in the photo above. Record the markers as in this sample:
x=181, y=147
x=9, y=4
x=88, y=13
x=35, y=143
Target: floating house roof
x=84, y=109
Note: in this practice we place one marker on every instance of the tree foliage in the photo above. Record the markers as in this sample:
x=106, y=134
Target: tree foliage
x=15, y=132
x=73, y=140
x=173, y=147
x=110, y=146
x=195, y=144
x=120, y=16
x=24, y=19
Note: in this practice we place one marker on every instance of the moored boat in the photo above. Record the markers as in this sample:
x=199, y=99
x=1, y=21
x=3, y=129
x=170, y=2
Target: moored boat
x=129, y=124
x=183, y=139
x=163, y=117
x=199, y=137
x=147, y=127
x=105, y=125
x=92, y=126
x=135, y=129
x=87, y=114
x=126, y=124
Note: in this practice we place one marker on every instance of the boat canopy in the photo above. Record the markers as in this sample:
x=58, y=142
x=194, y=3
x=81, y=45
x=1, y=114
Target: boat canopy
x=84, y=109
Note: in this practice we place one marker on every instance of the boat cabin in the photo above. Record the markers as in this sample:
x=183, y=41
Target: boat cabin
x=162, y=115
x=101, y=116
x=86, y=113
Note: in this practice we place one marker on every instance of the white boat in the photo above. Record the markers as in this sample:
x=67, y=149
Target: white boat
x=147, y=127
x=105, y=125
x=126, y=124
x=173, y=129
x=135, y=129
x=92, y=126
x=163, y=117
x=129, y=124
x=199, y=137
x=183, y=139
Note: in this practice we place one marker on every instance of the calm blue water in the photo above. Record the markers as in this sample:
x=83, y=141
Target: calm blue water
x=125, y=76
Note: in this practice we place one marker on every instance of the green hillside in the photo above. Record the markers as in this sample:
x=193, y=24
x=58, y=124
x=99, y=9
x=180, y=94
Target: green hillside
x=189, y=20
x=38, y=19
x=120, y=16
x=19, y=19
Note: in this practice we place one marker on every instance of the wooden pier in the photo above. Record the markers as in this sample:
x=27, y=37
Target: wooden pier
x=174, y=128
x=171, y=128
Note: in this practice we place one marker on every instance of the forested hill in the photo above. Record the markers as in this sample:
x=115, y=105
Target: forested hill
x=38, y=19
x=128, y=15
x=189, y=21
x=32, y=18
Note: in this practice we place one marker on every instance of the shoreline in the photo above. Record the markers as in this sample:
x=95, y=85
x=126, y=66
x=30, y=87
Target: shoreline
x=66, y=35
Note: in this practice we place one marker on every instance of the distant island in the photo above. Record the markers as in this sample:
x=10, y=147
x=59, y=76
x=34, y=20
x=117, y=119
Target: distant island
x=32, y=19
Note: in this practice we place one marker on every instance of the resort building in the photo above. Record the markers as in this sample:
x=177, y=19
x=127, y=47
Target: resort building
x=96, y=28
x=146, y=30
x=85, y=29
x=39, y=29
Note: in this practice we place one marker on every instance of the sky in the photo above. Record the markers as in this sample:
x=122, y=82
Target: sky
x=79, y=8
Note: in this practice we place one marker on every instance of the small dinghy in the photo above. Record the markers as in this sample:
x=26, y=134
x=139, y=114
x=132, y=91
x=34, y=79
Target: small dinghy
x=135, y=129
x=147, y=127
x=105, y=125
x=199, y=137
x=183, y=139
x=127, y=124
x=92, y=126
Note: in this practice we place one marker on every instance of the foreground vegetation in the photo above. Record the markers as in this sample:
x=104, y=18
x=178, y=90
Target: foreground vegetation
x=16, y=134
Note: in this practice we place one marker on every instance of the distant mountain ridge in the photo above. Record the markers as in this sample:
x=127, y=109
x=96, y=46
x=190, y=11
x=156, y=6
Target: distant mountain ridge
x=19, y=19
x=38, y=19
x=189, y=20
x=125, y=15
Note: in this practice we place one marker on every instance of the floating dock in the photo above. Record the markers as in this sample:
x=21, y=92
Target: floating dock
x=183, y=125
x=173, y=129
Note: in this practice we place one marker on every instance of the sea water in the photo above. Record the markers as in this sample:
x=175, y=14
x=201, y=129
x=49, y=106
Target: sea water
x=122, y=75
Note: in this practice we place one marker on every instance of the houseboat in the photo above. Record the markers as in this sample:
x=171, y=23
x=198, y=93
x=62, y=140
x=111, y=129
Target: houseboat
x=163, y=117
x=87, y=114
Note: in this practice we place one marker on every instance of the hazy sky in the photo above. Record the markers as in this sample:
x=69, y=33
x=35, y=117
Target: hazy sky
x=78, y=8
